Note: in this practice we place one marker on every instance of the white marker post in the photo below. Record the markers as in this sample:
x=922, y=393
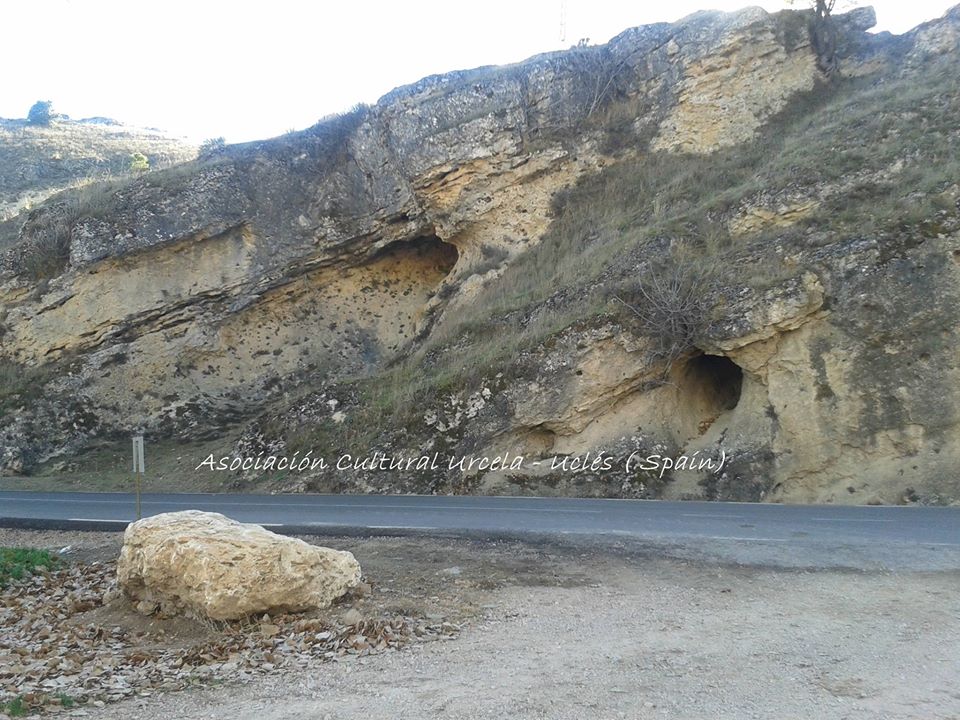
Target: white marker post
x=138, y=467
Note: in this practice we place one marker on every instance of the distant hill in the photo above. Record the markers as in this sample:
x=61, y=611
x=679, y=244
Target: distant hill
x=37, y=161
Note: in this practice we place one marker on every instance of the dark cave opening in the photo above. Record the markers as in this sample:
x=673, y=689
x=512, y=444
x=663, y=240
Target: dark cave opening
x=715, y=380
x=429, y=251
x=444, y=254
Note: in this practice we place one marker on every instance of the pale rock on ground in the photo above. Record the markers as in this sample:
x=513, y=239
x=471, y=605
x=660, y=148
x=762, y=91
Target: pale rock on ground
x=206, y=565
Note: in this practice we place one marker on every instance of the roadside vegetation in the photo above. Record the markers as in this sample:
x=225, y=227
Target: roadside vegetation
x=18, y=563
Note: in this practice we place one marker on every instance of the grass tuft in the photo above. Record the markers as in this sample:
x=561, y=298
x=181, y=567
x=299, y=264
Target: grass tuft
x=19, y=383
x=16, y=708
x=18, y=563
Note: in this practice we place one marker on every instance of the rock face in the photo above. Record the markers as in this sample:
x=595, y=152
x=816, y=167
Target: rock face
x=206, y=565
x=244, y=296
x=335, y=247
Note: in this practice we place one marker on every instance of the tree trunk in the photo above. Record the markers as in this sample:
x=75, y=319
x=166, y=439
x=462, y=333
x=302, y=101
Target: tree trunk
x=823, y=35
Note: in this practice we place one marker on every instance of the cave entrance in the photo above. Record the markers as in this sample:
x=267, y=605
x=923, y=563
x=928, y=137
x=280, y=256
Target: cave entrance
x=442, y=256
x=719, y=378
x=432, y=256
x=385, y=297
x=709, y=385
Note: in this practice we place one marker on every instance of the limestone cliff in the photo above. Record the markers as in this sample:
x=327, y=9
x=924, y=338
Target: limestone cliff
x=326, y=290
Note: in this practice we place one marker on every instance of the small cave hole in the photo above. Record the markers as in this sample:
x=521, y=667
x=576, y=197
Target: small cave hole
x=707, y=387
x=539, y=441
x=717, y=380
x=428, y=251
x=443, y=254
x=420, y=264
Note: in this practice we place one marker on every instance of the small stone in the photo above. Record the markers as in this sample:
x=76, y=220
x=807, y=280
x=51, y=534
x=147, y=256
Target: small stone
x=351, y=617
x=269, y=630
x=146, y=607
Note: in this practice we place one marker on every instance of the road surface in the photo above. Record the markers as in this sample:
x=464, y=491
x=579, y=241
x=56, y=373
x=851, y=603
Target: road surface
x=790, y=534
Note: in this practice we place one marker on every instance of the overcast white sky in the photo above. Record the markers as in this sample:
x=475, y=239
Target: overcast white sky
x=248, y=70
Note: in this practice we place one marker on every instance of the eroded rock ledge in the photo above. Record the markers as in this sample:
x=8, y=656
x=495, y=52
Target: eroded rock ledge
x=196, y=297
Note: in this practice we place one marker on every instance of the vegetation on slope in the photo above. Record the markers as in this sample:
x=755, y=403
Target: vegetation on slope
x=39, y=160
x=19, y=383
x=876, y=155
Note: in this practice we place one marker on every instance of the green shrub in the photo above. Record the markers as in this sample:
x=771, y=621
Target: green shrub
x=18, y=563
x=212, y=146
x=139, y=162
x=15, y=708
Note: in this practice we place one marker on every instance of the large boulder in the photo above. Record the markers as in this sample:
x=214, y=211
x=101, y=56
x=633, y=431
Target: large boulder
x=206, y=565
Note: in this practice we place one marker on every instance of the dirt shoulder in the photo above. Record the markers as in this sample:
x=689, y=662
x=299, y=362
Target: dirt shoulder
x=574, y=632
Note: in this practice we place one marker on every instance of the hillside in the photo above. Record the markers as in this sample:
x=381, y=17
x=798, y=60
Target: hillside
x=688, y=242
x=37, y=161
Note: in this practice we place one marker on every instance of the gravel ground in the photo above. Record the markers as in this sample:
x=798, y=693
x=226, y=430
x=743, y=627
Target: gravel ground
x=583, y=633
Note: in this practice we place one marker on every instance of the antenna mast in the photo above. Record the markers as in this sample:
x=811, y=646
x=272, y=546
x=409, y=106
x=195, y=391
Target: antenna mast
x=563, y=21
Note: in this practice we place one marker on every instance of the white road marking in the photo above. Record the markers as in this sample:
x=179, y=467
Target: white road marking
x=736, y=537
x=109, y=520
x=399, y=527
x=825, y=519
x=667, y=536
x=374, y=506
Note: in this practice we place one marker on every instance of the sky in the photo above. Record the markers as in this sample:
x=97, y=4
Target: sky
x=245, y=70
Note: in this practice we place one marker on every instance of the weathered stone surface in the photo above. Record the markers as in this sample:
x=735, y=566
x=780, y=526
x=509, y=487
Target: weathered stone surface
x=726, y=95
x=206, y=565
x=271, y=272
x=936, y=37
x=196, y=295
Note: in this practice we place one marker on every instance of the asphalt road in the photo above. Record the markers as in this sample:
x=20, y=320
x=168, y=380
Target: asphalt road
x=793, y=525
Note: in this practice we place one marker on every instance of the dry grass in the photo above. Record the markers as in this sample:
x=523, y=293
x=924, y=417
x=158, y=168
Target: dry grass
x=39, y=161
x=19, y=383
x=46, y=252
x=672, y=300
